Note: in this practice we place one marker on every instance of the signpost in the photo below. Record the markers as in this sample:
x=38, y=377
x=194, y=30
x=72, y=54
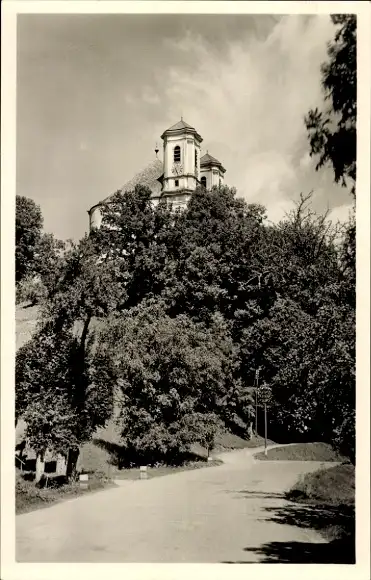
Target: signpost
x=264, y=395
x=256, y=400
x=143, y=473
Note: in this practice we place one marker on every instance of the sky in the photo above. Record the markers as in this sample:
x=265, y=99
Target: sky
x=95, y=93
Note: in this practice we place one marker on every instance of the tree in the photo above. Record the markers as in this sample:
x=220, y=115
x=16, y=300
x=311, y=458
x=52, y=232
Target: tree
x=185, y=306
x=59, y=394
x=206, y=427
x=217, y=255
x=115, y=267
x=48, y=259
x=28, y=228
x=30, y=290
x=303, y=255
x=168, y=369
x=305, y=342
x=332, y=132
x=37, y=253
x=103, y=273
x=134, y=236
x=39, y=282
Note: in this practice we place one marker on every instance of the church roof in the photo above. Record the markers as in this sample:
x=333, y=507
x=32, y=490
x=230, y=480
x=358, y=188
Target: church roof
x=180, y=125
x=148, y=176
x=209, y=160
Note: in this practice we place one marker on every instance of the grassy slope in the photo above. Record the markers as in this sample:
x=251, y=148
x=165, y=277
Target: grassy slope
x=301, y=452
x=327, y=497
x=323, y=500
x=334, y=486
x=228, y=440
x=25, y=324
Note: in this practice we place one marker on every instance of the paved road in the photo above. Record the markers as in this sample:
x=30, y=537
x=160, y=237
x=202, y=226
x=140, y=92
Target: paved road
x=234, y=513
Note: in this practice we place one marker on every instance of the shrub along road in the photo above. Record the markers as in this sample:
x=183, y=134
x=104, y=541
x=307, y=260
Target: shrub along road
x=227, y=513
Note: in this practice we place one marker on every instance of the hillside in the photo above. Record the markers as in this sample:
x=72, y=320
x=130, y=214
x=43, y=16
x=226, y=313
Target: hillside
x=25, y=324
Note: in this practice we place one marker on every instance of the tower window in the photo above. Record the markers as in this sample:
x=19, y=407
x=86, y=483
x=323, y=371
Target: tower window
x=177, y=183
x=176, y=154
x=196, y=158
x=203, y=181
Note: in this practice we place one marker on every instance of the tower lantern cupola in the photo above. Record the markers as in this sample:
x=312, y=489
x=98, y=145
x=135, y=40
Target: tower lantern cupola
x=182, y=146
x=212, y=171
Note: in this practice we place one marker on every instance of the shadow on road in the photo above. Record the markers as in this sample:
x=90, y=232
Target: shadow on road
x=334, y=522
x=123, y=457
x=260, y=494
x=336, y=519
x=295, y=553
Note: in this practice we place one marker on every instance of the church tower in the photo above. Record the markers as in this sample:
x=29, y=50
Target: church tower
x=182, y=147
x=176, y=176
x=212, y=171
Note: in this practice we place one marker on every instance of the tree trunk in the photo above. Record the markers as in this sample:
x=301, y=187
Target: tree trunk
x=73, y=456
x=84, y=333
x=40, y=465
x=250, y=430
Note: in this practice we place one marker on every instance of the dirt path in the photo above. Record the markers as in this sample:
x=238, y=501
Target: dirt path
x=234, y=513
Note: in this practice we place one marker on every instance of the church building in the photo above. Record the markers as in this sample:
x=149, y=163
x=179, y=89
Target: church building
x=177, y=176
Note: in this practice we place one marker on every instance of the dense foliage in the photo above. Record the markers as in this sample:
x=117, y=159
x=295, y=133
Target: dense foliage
x=332, y=132
x=174, y=375
x=173, y=312
x=28, y=228
x=37, y=254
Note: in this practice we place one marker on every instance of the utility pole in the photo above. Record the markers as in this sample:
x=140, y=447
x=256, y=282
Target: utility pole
x=256, y=400
x=265, y=429
x=265, y=399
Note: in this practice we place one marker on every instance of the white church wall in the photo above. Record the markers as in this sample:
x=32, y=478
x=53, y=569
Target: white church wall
x=95, y=218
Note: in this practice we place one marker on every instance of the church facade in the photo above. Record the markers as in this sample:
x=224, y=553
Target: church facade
x=182, y=169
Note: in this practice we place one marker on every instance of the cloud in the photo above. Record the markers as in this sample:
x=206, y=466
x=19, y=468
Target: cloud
x=106, y=88
x=340, y=213
x=252, y=98
x=83, y=146
x=150, y=97
x=305, y=162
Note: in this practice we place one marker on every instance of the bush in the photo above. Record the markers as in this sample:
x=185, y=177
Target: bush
x=30, y=290
x=345, y=438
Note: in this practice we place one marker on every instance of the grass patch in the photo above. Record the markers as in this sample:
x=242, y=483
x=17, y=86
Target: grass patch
x=301, y=452
x=228, y=441
x=326, y=500
x=258, y=442
x=28, y=497
x=333, y=486
x=26, y=318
